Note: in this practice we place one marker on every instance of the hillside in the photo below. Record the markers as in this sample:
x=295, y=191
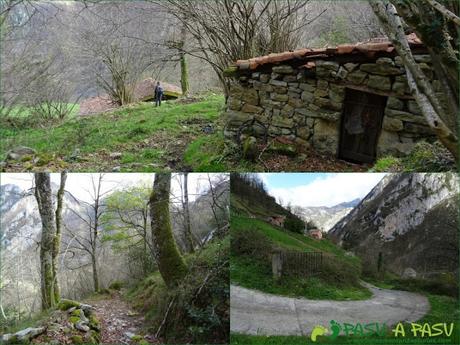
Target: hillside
x=412, y=219
x=254, y=239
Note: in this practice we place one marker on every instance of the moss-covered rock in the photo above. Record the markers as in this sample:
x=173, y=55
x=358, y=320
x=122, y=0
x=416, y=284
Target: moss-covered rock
x=283, y=148
x=76, y=312
x=96, y=336
x=66, y=304
x=94, y=323
x=76, y=339
x=74, y=319
x=137, y=338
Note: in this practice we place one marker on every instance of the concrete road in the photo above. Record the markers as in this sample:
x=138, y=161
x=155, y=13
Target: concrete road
x=257, y=313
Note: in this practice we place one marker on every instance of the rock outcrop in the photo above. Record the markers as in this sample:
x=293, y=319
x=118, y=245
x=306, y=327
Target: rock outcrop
x=411, y=219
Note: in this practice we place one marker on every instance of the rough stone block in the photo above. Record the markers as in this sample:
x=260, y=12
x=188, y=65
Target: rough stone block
x=321, y=93
x=357, y=77
x=379, y=82
x=413, y=107
x=279, y=97
x=278, y=83
x=395, y=103
x=250, y=96
x=264, y=78
x=392, y=125
x=283, y=69
x=234, y=103
x=322, y=84
x=381, y=69
x=350, y=66
x=307, y=87
x=307, y=96
x=405, y=116
x=290, y=78
x=249, y=108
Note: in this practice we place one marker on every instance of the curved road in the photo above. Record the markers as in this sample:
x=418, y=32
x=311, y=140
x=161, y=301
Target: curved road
x=257, y=313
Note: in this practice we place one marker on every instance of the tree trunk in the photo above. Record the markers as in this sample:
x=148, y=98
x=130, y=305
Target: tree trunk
x=57, y=237
x=45, y=207
x=183, y=62
x=170, y=263
x=420, y=88
x=95, y=274
x=188, y=227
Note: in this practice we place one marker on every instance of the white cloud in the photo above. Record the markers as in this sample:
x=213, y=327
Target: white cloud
x=329, y=190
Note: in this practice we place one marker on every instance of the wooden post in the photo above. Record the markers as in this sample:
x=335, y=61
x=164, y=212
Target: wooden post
x=277, y=265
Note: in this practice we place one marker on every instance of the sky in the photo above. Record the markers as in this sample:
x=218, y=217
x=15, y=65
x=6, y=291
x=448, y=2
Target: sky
x=79, y=184
x=319, y=189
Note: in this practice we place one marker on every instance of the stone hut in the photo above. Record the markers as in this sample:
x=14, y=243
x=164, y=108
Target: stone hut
x=315, y=233
x=277, y=220
x=351, y=101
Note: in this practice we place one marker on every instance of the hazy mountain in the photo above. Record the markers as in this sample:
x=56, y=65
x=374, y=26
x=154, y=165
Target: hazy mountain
x=412, y=219
x=323, y=216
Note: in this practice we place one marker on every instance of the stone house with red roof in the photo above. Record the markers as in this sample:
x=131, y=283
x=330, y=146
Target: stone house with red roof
x=351, y=101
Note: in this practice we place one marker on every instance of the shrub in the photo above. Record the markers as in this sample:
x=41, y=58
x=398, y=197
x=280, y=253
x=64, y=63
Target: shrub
x=294, y=224
x=339, y=273
x=116, y=285
x=251, y=243
x=196, y=311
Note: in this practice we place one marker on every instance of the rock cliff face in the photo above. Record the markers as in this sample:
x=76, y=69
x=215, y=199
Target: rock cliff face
x=412, y=219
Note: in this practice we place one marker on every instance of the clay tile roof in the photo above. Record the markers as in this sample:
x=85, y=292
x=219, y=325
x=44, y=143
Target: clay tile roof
x=368, y=48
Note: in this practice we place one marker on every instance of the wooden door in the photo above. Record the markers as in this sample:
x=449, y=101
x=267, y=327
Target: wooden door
x=361, y=125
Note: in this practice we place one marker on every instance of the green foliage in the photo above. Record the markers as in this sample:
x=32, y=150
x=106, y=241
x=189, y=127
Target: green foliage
x=387, y=163
x=423, y=157
x=294, y=224
x=116, y=285
x=196, y=309
x=250, y=242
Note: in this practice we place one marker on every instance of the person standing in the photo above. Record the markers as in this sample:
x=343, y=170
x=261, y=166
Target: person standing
x=158, y=94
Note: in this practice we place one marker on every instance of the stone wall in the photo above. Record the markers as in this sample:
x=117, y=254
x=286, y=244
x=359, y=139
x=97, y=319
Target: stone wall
x=304, y=103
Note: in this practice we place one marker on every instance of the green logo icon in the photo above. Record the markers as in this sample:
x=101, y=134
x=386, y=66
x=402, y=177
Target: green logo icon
x=317, y=331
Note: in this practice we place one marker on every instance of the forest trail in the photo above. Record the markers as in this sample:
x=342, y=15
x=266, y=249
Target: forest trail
x=257, y=313
x=119, y=322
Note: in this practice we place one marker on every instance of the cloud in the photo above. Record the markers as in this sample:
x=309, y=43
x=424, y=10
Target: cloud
x=329, y=190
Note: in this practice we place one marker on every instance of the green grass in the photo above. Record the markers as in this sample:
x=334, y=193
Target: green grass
x=24, y=111
x=256, y=273
x=205, y=154
x=119, y=130
x=212, y=154
x=290, y=240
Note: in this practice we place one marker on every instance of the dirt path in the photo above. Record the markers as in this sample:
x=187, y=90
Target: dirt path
x=253, y=312
x=119, y=323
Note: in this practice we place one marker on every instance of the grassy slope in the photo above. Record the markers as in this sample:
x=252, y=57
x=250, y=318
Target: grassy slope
x=257, y=274
x=121, y=130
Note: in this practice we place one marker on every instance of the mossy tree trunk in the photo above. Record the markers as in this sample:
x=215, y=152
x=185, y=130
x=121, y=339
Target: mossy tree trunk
x=45, y=207
x=183, y=62
x=57, y=237
x=170, y=263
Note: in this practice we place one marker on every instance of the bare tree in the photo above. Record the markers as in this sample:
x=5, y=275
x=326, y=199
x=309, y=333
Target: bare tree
x=187, y=224
x=89, y=240
x=441, y=119
x=170, y=263
x=227, y=30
